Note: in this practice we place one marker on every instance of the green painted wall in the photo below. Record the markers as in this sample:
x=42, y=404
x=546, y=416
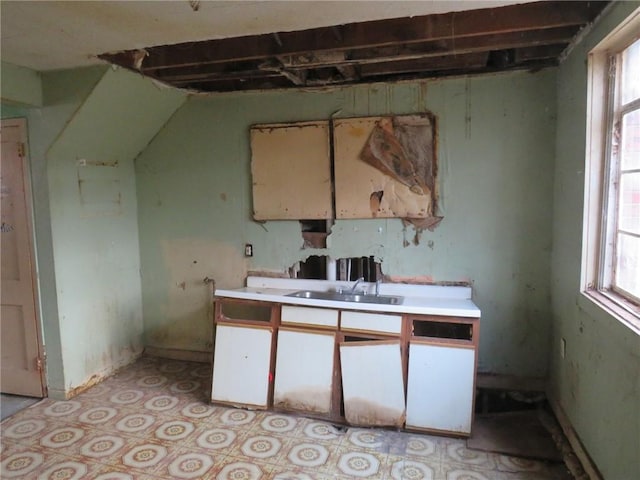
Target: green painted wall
x=598, y=382
x=496, y=150
x=92, y=197
x=20, y=85
x=63, y=92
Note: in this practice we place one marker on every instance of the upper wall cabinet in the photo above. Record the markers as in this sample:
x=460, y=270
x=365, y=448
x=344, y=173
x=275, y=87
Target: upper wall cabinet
x=291, y=170
x=385, y=167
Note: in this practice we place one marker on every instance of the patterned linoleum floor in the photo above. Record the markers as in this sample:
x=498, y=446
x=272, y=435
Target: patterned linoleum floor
x=152, y=420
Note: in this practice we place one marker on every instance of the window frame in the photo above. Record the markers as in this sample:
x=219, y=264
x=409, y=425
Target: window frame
x=601, y=198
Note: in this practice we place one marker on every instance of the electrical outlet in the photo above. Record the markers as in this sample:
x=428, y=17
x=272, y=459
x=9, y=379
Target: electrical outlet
x=248, y=250
x=563, y=348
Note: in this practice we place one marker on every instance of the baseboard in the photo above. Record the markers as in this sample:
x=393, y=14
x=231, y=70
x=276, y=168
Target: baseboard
x=581, y=453
x=97, y=377
x=177, y=354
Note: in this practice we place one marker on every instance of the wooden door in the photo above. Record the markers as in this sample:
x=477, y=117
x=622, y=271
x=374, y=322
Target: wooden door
x=22, y=372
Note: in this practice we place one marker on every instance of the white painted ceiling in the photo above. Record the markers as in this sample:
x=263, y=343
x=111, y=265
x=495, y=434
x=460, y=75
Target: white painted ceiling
x=50, y=35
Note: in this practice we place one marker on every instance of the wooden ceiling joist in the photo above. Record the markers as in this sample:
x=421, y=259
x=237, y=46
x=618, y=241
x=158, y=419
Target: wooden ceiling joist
x=472, y=41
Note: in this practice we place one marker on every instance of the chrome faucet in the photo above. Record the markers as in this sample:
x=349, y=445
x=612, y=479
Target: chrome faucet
x=378, y=282
x=355, y=285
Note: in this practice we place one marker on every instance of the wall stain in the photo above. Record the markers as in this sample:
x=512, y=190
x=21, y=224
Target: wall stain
x=188, y=313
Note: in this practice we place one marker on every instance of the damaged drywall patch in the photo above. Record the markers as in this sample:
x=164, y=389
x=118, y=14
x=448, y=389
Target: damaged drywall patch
x=419, y=226
x=427, y=280
x=93, y=380
x=323, y=267
x=375, y=200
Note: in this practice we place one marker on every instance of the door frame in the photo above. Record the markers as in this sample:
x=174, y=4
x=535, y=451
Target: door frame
x=21, y=124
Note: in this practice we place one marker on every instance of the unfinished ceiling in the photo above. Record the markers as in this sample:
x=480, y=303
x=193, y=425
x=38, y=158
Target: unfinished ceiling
x=54, y=34
x=521, y=36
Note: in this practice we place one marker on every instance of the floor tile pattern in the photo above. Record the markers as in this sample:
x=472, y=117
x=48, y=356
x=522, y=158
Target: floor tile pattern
x=152, y=420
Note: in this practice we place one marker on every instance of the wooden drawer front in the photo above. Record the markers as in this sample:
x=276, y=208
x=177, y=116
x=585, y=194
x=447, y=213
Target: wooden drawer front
x=371, y=322
x=323, y=317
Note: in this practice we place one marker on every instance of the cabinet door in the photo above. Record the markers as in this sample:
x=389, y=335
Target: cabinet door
x=372, y=385
x=241, y=363
x=395, y=188
x=304, y=371
x=440, y=387
x=291, y=170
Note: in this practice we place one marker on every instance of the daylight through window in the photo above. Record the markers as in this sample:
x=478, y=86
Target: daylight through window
x=623, y=221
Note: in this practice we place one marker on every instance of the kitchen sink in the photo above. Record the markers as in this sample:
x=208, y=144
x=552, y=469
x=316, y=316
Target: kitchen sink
x=347, y=297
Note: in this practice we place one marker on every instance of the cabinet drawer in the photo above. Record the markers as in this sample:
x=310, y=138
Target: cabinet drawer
x=371, y=322
x=320, y=317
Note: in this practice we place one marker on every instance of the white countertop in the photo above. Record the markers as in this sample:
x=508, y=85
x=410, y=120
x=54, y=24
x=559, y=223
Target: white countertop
x=417, y=299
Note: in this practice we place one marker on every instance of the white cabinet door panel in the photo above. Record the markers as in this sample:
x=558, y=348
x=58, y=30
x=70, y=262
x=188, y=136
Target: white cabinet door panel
x=372, y=385
x=241, y=365
x=304, y=371
x=440, y=387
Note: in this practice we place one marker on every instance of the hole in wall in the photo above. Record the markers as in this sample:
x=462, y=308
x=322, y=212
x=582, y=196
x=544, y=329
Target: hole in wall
x=314, y=267
x=321, y=267
x=315, y=232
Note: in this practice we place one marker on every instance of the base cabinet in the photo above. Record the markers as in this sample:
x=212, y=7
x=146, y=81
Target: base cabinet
x=241, y=365
x=304, y=371
x=363, y=368
x=440, y=388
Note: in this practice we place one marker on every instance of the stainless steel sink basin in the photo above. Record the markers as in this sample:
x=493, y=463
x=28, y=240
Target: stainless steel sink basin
x=347, y=297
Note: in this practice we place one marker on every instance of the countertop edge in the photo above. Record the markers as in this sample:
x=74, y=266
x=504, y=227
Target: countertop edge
x=415, y=305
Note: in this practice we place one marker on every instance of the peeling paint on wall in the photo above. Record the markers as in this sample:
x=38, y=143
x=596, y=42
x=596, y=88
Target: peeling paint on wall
x=496, y=185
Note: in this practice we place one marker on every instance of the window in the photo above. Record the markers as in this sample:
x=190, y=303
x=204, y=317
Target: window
x=621, y=269
x=612, y=233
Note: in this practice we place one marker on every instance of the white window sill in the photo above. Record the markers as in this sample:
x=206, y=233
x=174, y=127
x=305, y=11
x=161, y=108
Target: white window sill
x=614, y=305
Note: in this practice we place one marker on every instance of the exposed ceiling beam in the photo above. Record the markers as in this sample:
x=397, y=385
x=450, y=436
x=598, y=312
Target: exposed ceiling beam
x=529, y=35
x=458, y=25
x=444, y=62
